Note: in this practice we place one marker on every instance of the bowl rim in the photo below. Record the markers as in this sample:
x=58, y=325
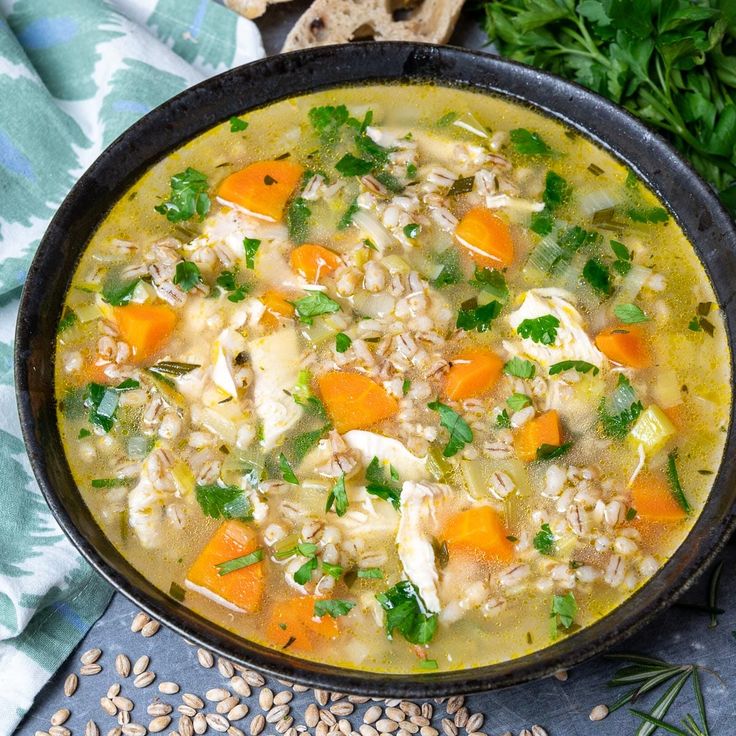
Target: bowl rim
x=695, y=208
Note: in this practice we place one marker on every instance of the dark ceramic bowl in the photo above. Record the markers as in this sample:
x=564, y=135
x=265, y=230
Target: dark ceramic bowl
x=690, y=200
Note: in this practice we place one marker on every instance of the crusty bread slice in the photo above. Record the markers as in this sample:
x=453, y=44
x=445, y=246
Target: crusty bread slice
x=340, y=21
x=251, y=8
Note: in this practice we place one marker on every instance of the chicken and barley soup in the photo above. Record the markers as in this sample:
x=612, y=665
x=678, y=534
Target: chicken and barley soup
x=402, y=378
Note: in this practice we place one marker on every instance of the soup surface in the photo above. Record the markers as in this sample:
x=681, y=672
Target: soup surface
x=402, y=378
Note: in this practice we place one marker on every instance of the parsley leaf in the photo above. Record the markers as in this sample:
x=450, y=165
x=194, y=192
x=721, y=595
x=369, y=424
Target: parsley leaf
x=451, y=272
x=557, y=192
x=630, y=314
x=119, y=294
x=380, y=486
x=622, y=264
x=528, y=143
x=350, y=165
x=304, y=574
x=314, y=304
x=370, y=573
x=550, y=452
x=564, y=608
x=188, y=196
x=518, y=401
x=519, y=368
x=327, y=121
x=304, y=442
x=342, y=342
x=503, y=420
x=225, y=568
x=297, y=219
x=580, y=366
x=251, y=246
x=460, y=432
x=647, y=214
x=472, y=317
x=598, y=276
x=542, y=329
x=412, y=230
x=338, y=497
x=228, y=502
x=332, y=607
x=187, y=275
x=491, y=281
x=544, y=540
x=347, y=216
x=287, y=471
x=237, y=125
x=623, y=409
x=226, y=280
x=405, y=611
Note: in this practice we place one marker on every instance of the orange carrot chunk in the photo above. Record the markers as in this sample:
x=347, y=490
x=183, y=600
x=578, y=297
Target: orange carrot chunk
x=472, y=373
x=478, y=531
x=652, y=498
x=624, y=344
x=241, y=588
x=486, y=237
x=542, y=430
x=276, y=306
x=262, y=188
x=293, y=622
x=145, y=327
x=354, y=401
x=312, y=262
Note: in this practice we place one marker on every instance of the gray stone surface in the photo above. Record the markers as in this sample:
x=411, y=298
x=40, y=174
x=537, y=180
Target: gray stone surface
x=561, y=708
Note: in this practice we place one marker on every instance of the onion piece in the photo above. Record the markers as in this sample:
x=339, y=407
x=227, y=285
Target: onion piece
x=368, y=223
x=632, y=284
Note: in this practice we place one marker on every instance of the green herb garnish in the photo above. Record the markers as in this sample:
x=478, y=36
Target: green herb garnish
x=544, y=540
x=187, y=275
x=580, y=366
x=338, y=497
x=228, y=502
x=237, y=125
x=314, y=304
x=225, y=568
x=630, y=314
x=460, y=432
x=516, y=402
x=406, y=613
x=332, y=607
x=297, y=219
x=472, y=317
x=542, y=330
x=563, y=612
x=287, y=471
x=677, y=490
x=528, y=143
x=188, y=197
x=342, y=342
x=519, y=368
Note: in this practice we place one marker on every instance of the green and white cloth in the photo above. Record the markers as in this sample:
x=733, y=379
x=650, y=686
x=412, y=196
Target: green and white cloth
x=74, y=74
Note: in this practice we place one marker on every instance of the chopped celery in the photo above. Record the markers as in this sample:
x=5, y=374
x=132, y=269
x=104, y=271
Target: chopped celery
x=438, y=465
x=652, y=429
x=87, y=312
x=476, y=478
x=183, y=478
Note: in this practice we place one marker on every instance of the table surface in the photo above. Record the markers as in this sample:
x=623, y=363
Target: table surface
x=562, y=708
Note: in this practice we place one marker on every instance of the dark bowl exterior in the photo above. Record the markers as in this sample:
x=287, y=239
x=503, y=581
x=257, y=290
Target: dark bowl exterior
x=690, y=200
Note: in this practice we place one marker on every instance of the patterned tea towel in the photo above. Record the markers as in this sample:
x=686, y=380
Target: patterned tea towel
x=74, y=74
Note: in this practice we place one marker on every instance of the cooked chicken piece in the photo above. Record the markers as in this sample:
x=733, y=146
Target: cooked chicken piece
x=420, y=504
x=389, y=451
x=572, y=341
x=275, y=363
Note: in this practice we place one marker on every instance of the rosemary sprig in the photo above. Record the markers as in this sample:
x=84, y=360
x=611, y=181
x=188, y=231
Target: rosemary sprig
x=647, y=674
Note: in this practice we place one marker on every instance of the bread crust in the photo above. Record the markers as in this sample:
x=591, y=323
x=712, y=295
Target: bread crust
x=340, y=21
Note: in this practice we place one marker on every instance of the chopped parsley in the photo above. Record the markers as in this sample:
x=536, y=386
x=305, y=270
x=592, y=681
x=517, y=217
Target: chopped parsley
x=188, y=197
x=519, y=368
x=677, y=490
x=332, y=607
x=287, y=471
x=618, y=414
x=338, y=497
x=381, y=486
x=314, y=304
x=405, y=612
x=412, y=230
x=460, y=432
x=562, y=614
x=647, y=214
x=297, y=219
x=518, y=401
x=342, y=342
x=451, y=272
x=226, y=280
x=580, y=366
x=304, y=574
x=334, y=571
x=327, y=121
x=491, y=281
x=529, y=143
x=598, y=276
x=228, y=502
x=350, y=165
x=237, y=125
x=544, y=540
x=118, y=294
x=472, y=317
x=542, y=329
x=370, y=573
x=187, y=275
x=550, y=452
x=347, y=216
x=463, y=185
x=503, y=420
x=224, y=568
x=251, y=246
x=630, y=314
x=622, y=264
x=557, y=192
x=102, y=402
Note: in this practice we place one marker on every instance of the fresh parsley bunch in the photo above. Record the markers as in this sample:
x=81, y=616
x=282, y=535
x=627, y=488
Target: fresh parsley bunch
x=670, y=62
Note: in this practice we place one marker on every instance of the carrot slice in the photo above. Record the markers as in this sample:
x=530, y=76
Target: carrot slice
x=624, y=344
x=276, y=306
x=542, y=430
x=486, y=237
x=472, y=373
x=354, y=401
x=313, y=261
x=293, y=623
x=653, y=500
x=145, y=327
x=478, y=530
x=262, y=188
x=242, y=588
